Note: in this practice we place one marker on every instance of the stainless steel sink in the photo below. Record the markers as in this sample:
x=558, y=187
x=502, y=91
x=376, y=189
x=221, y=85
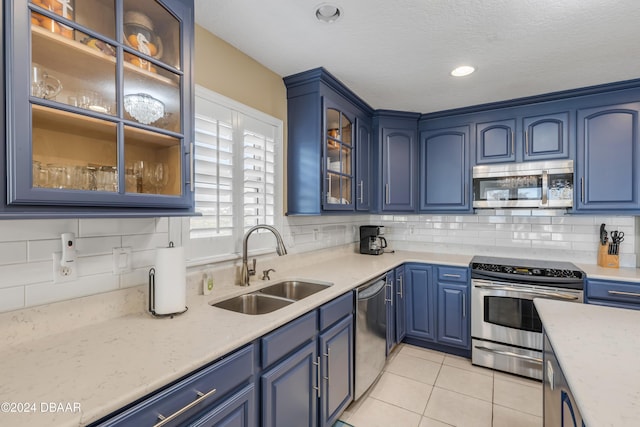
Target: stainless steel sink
x=253, y=303
x=294, y=289
x=272, y=297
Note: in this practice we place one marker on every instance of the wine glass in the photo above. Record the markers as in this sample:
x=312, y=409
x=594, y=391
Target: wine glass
x=160, y=176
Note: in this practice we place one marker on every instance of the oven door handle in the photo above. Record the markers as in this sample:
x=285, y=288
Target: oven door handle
x=509, y=353
x=528, y=291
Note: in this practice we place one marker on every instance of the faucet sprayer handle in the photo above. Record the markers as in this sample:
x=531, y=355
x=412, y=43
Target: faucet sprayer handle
x=252, y=270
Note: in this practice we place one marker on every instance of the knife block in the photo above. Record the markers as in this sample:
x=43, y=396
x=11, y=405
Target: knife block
x=606, y=260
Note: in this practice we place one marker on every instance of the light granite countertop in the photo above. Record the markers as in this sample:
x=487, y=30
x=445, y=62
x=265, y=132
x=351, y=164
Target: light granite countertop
x=598, y=349
x=106, y=365
x=97, y=354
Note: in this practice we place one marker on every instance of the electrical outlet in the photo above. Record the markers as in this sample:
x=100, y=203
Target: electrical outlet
x=122, y=260
x=67, y=273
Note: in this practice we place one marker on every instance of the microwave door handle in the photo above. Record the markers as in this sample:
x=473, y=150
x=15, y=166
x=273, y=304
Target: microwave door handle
x=545, y=187
x=528, y=291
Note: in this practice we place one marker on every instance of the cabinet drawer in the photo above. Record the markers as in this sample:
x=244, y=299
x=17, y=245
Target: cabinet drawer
x=453, y=274
x=614, y=291
x=223, y=376
x=335, y=310
x=283, y=340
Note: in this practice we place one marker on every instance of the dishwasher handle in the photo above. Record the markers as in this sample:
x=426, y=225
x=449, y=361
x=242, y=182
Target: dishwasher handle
x=371, y=289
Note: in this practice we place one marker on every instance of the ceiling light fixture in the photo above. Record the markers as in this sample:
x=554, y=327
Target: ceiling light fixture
x=462, y=71
x=328, y=13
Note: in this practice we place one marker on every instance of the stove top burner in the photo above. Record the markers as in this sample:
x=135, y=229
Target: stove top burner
x=561, y=274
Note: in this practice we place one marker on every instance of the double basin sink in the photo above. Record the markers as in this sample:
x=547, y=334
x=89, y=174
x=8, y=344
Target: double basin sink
x=273, y=297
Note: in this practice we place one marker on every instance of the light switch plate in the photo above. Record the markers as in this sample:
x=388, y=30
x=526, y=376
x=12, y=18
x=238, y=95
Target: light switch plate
x=122, y=262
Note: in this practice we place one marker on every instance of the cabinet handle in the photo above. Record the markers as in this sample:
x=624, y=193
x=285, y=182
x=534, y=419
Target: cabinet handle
x=361, y=185
x=386, y=193
x=465, y=195
x=513, y=143
x=317, y=388
x=400, y=286
x=390, y=287
x=201, y=396
x=582, y=189
x=526, y=142
x=328, y=356
x=454, y=276
x=627, y=294
x=464, y=306
x=192, y=166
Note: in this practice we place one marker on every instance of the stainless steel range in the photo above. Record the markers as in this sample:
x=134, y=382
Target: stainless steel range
x=506, y=330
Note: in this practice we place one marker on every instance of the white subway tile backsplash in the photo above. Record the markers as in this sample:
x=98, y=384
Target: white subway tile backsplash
x=24, y=274
x=21, y=230
x=86, y=246
x=11, y=298
x=13, y=252
x=44, y=293
x=146, y=241
x=116, y=226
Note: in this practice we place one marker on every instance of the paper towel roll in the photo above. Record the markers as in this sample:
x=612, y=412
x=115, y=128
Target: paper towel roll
x=170, y=281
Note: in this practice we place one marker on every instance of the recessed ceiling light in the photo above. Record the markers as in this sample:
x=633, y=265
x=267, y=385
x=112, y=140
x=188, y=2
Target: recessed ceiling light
x=462, y=71
x=328, y=13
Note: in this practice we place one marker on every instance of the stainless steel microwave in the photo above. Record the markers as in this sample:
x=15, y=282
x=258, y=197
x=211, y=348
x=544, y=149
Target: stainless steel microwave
x=547, y=184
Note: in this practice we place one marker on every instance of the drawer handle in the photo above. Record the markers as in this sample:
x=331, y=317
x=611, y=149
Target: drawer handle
x=455, y=276
x=201, y=396
x=627, y=294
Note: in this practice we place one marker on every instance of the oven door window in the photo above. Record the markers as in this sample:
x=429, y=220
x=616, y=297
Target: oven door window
x=512, y=312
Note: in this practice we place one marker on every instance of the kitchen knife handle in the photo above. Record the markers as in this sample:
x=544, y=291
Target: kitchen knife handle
x=201, y=396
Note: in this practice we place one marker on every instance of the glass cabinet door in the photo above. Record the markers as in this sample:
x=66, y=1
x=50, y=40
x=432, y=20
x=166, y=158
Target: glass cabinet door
x=103, y=102
x=338, y=157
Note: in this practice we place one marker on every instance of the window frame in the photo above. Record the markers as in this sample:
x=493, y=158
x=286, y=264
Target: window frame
x=261, y=241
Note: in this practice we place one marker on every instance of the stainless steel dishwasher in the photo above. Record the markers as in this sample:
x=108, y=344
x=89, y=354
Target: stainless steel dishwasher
x=371, y=333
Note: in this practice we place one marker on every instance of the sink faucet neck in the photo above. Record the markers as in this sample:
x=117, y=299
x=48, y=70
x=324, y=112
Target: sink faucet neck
x=280, y=250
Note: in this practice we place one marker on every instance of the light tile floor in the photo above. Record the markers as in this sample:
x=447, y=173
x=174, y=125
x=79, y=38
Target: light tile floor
x=425, y=388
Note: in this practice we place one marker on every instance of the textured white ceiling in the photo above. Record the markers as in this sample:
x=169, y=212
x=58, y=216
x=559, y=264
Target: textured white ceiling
x=397, y=54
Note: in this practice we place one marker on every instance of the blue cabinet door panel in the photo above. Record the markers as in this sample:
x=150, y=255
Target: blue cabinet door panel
x=398, y=174
x=608, y=157
x=420, y=302
x=452, y=314
x=401, y=301
x=364, y=160
x=336, y=353
x=495, y=141
x=287, y=338
x=237, y=411
x=546, y=137
x=444, y=169
x=288, y=390
x=335, y=310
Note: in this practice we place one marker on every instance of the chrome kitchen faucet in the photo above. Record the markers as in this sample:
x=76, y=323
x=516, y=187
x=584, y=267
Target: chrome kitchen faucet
x=280, y=250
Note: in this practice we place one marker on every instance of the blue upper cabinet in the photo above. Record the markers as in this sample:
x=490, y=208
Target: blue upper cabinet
x=495, y=141
x=397, y=162
x=99, y=108
x=364, y=161
x=546, y=137
x=608, y=157
x=530, y=135
x=444, y=169
x=326, y=171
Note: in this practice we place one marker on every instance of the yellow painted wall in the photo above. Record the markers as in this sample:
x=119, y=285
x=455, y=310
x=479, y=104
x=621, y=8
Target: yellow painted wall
x=226, y=70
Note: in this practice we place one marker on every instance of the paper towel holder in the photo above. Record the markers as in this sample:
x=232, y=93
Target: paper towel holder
x=152, y=287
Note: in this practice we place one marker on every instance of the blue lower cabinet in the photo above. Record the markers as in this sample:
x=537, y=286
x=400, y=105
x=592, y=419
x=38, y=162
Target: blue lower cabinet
x=401, y=301
x=420, y=306
x=238, y=410
x=390, y=299
x=453, y=314
x=336, y=382
x=289, y=390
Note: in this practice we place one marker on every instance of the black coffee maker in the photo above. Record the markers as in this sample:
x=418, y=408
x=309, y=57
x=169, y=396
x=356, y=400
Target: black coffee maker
x=370, y=241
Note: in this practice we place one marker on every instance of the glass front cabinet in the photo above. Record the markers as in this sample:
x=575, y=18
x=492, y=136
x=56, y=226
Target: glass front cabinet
x=339, y=131
x=98, y=107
